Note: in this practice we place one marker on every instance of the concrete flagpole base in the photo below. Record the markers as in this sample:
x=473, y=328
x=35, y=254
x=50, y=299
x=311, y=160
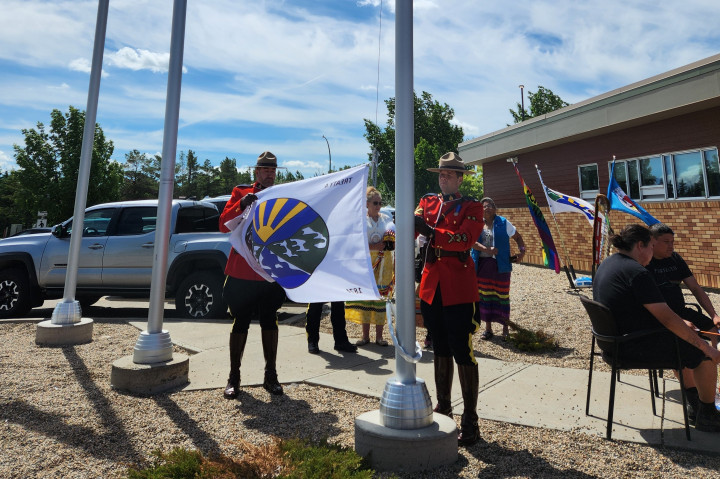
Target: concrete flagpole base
x=406, y=450
x=152, y=378
x=67, y=334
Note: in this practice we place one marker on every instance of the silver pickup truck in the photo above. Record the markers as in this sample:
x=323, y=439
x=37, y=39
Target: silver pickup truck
x=116, y=259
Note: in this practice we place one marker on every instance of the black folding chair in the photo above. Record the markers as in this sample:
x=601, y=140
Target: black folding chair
x=608, y=339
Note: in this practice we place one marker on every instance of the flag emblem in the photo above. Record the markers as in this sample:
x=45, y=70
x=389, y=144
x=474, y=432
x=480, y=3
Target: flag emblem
x=289, y=240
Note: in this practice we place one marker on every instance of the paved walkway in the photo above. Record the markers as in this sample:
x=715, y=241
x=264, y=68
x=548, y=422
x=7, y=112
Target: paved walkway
x=518, y=393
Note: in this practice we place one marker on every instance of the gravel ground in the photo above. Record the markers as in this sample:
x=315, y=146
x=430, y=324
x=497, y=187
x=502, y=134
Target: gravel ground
x=60, y=418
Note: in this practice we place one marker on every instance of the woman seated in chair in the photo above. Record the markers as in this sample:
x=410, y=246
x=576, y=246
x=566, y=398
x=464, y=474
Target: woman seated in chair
x=628, y=290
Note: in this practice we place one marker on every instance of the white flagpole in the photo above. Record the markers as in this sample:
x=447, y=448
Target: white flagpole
x=154, y=345
x=68, y=311
x=405, y=403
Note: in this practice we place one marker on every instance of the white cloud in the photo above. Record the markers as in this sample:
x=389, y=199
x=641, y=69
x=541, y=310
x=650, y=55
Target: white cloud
x=140, y=59
x=276, y=74
x=80, y=65
x=6, y=163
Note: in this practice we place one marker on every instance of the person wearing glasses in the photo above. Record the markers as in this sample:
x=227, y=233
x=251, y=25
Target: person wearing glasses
x=452, y=223
x=381, y=241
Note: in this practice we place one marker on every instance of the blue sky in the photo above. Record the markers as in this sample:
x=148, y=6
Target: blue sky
x=278, y=75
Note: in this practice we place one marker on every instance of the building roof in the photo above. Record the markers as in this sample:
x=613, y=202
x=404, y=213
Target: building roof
x=686, y=89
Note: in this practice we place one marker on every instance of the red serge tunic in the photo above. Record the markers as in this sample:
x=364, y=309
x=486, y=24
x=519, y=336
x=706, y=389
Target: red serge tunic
x=458, y=223
x=236, y=265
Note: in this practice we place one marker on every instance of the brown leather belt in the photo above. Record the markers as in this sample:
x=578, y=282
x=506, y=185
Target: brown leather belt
x=462, y=255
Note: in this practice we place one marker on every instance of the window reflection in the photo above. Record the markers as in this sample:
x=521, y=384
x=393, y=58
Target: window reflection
x=689, y=174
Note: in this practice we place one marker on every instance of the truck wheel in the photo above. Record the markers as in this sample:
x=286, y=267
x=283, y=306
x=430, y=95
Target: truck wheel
x=87, y=301
x=14, y=294
x=199, y=296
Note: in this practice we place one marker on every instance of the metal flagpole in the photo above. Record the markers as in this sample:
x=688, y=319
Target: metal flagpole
x=405, y=403
x=154, y=345
x=68, y=311
x=570, y=277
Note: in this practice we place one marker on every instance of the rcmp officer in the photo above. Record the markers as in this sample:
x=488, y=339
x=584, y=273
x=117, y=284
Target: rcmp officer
x=247, y=293
x=448, y=288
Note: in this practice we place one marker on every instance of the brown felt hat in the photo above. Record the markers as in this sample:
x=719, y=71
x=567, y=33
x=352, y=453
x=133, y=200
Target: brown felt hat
x=267, y=160
x=452, y=162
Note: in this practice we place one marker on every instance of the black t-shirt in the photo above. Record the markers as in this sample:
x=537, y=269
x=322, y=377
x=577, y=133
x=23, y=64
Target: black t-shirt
x=624, y=286
x=668, y=274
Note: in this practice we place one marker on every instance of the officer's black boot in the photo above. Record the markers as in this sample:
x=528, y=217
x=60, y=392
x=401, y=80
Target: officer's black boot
x=270, y=345
x=469, y=383
x=444, y=366
x=237, y=346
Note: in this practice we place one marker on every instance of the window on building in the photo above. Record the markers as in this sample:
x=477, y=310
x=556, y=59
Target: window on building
x=681, y=175
x=588, y=181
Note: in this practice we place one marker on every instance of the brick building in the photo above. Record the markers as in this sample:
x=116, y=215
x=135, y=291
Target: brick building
x=664, y=133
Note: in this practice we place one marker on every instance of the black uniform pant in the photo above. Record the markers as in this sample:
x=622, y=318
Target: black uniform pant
x=451, y=328
x=337, y=319
x=248, y=298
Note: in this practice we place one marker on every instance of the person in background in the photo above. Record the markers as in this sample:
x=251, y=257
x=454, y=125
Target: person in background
x=452, y=224
x=337, y=319
x=624, y=286
x=669, y=270
x=493, y=267
x=381, y=241
x=247, y=293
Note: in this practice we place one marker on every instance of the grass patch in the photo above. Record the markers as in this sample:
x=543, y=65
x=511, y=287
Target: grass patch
x=531, y=341
x=283, y=459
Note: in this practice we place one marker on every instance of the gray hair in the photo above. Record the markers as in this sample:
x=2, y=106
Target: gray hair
x=487, y=199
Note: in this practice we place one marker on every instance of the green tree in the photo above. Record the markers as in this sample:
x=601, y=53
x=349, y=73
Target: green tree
x=142, y=176
x=541, y=102
x=49, y=163
x=434, y=133
x=9, y=213
x=472, y=185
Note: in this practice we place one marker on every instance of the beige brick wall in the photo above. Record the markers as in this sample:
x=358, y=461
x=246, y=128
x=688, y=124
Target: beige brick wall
x=695, y=224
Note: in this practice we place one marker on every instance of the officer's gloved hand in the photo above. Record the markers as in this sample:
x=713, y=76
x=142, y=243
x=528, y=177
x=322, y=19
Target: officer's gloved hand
x=247, y=200
x=422, y=227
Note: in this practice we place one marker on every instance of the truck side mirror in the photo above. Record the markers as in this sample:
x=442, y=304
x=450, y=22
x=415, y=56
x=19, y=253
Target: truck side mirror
x=59, y=231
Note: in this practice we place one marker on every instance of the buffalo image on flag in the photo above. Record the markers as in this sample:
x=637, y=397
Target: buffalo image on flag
x=288, y=239
x=310, y=237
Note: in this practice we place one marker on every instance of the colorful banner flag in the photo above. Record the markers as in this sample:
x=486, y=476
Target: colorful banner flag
x=561, y=203
x=550, y=256
x=311, y=237
x=622, y=202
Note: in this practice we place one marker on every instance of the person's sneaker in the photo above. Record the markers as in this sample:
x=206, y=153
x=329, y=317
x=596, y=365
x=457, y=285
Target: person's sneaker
x=313, y=347
x=346, y=347
x=708, y=418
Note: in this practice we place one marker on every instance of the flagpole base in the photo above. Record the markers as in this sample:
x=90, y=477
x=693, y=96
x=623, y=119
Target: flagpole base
x=401, y=450
x=405, y=406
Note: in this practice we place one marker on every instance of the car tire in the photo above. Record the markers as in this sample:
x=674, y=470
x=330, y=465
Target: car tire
x=14, y=294
x=199, y=296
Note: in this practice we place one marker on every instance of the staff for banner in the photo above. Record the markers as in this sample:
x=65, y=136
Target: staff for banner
x=571, y=273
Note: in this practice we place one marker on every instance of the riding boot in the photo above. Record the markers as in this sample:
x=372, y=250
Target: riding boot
x=469, y=384
x=237, y=347
x=270, y=345
x=444, y=366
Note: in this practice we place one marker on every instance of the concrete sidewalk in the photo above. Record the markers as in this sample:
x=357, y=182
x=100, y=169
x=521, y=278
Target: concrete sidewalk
x=518, y=393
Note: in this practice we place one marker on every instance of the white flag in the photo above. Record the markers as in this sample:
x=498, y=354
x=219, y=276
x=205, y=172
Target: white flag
x=311, y=237
x=561, y=203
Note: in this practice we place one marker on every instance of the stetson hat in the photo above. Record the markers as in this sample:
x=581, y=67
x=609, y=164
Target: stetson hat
x=452, y=162
x=267, y=160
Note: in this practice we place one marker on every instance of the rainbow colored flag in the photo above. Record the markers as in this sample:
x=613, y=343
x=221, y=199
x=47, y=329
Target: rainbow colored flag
x=550, y=255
